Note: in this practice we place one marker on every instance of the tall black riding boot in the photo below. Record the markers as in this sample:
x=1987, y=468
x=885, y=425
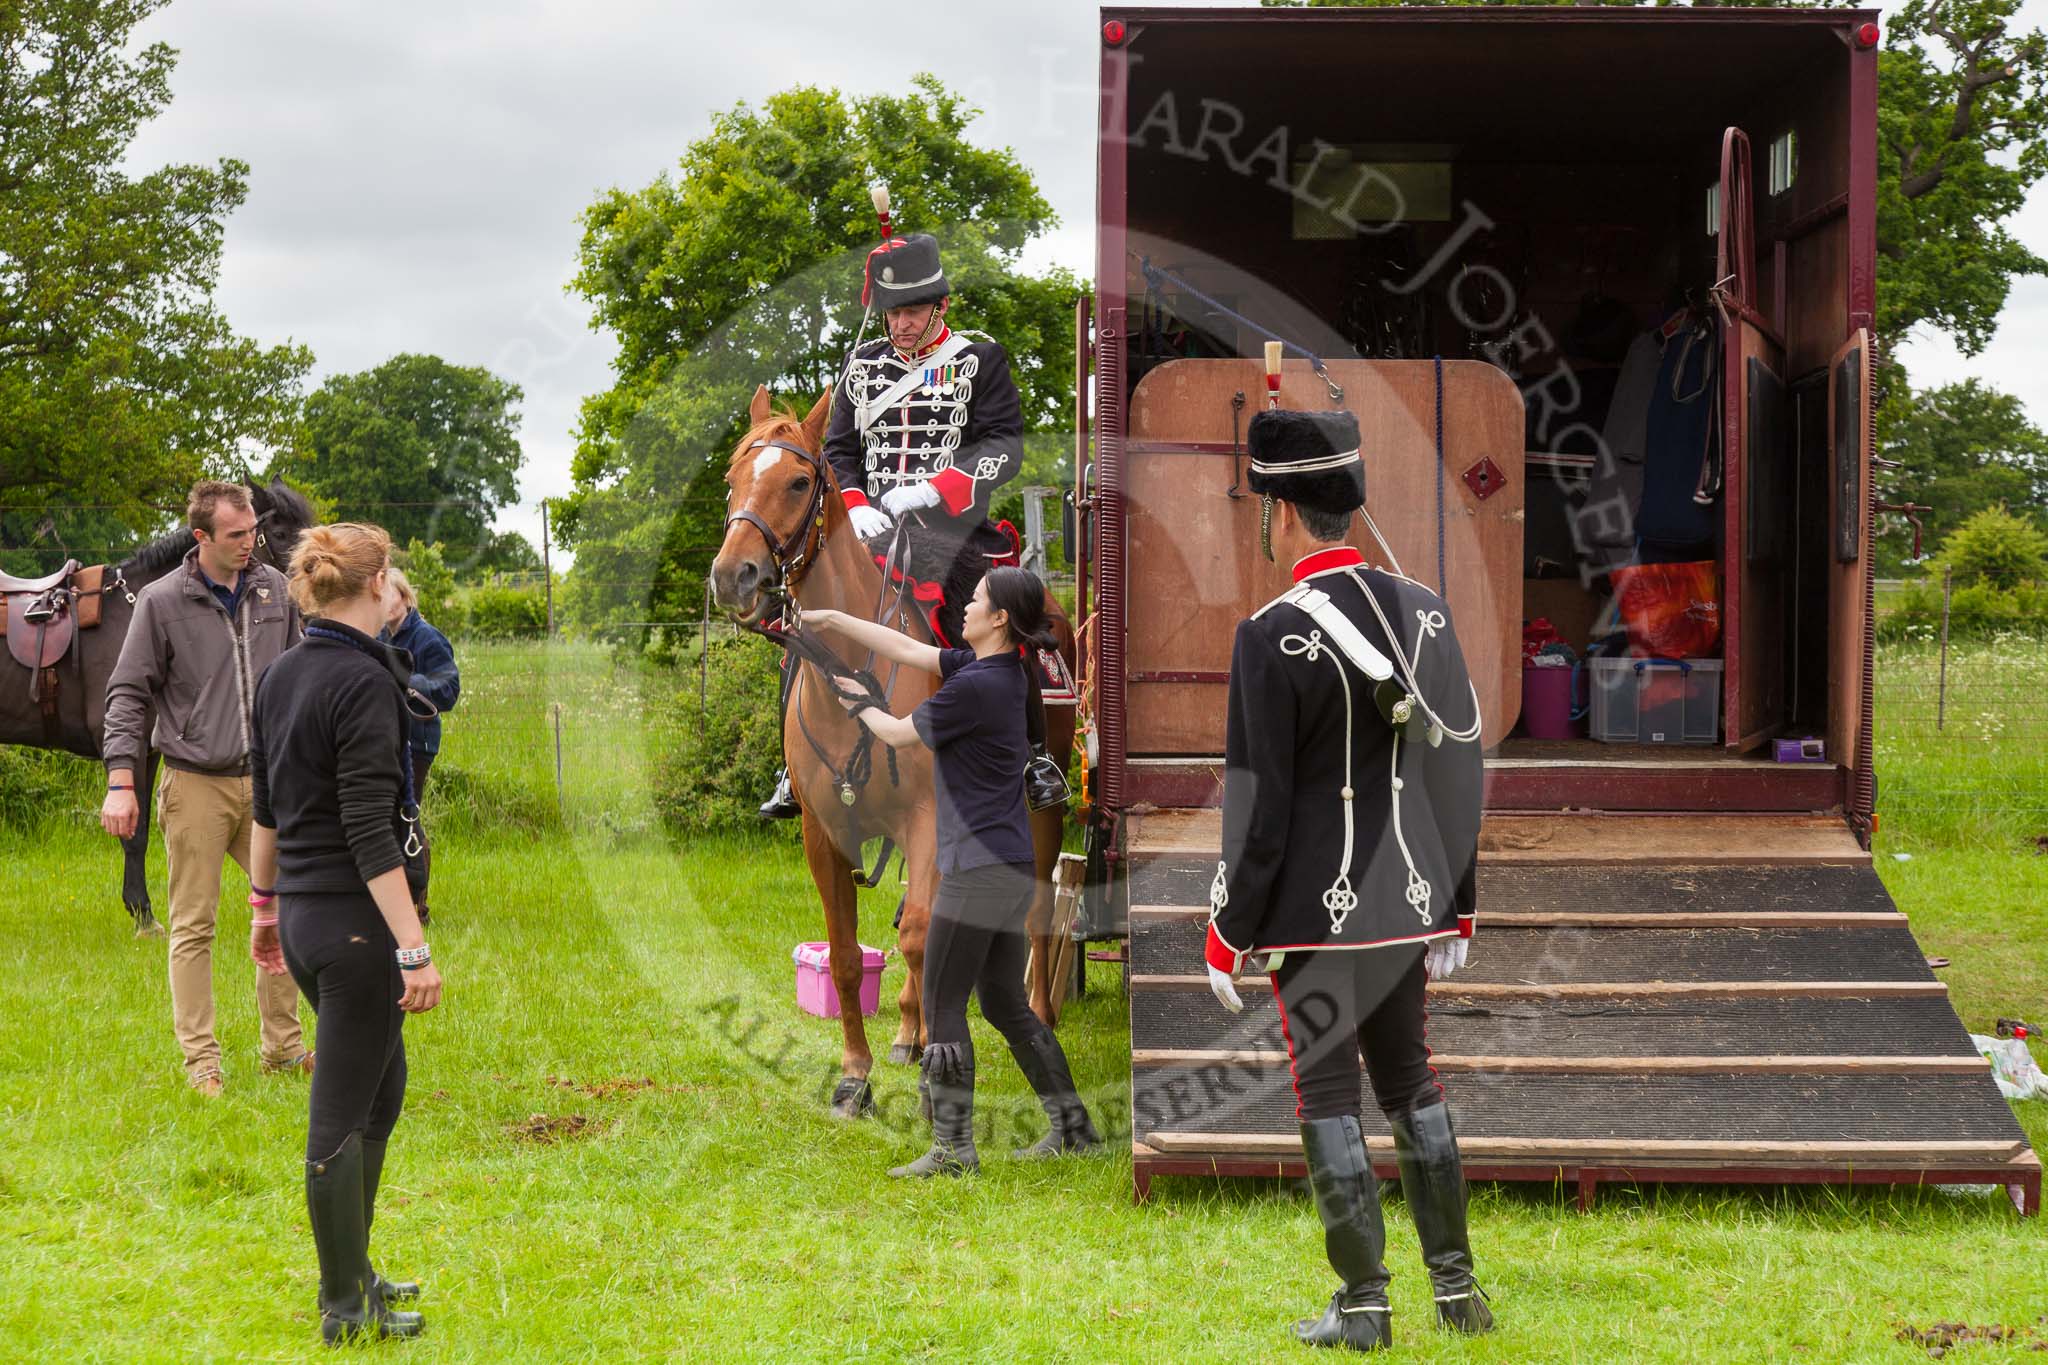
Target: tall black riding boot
x=392, y=1291
x=1045, y=780
x=949, y=1076
x=1348, y=1200
x=1044, y=1063
x=1433, y=1182
x=349, y=1303
x=783, y=804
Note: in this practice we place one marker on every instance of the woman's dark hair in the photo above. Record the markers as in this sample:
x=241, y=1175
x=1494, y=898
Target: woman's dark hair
x=1020, y=593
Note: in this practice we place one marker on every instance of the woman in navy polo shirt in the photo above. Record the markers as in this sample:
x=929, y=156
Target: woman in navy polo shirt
x=974, y=726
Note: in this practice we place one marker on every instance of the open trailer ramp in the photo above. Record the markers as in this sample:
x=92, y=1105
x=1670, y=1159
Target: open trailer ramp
x=1763, y=1018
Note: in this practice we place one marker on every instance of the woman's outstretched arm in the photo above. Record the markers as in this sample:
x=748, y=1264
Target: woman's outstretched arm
x=893, y=645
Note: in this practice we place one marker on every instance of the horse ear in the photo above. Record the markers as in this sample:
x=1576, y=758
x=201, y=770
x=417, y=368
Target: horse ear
x=814, y=425
x=761, y=408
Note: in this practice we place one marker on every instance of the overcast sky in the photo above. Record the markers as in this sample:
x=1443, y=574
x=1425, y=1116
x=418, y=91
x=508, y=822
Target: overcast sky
x=417, y=169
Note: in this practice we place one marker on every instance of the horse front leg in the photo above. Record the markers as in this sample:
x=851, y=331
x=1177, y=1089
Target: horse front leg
x=852, y=1098
x=921, y=863
x=1046, y=832
x=135, y=855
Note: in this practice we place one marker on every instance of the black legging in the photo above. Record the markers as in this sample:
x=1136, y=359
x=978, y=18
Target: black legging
x=978, y=945
x=1335, y=1005
x=343, y=956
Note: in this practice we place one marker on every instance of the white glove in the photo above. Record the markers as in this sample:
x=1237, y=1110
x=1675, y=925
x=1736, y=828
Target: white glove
x=910, y=497
x=1444, y=956
x=1225, y=989
x=867, y=521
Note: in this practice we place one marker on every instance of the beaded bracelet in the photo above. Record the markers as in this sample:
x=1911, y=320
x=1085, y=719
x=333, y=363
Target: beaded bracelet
x=413, y=958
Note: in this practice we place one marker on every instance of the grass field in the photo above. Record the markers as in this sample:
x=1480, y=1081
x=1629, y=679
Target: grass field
x=614, y=1145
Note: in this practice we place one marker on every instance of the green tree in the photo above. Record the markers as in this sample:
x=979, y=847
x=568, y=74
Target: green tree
x=1961, y=448
x=743, y=267
x=426, y=449
x=1997, y=548
x=120, y=382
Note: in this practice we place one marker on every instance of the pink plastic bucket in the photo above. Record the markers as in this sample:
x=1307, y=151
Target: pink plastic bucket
x=1547, y=703
x=815, y=993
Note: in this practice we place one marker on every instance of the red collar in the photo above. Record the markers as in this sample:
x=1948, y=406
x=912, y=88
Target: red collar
x=1322, y=561
x=934, y=345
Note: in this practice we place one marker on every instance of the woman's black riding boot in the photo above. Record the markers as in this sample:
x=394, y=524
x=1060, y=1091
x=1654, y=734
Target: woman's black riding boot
x=349, y=1303
x=1433, y=1182
x=392, y=1291
x=1044, y=1063
x=949, y=1075
x=1348, y=1201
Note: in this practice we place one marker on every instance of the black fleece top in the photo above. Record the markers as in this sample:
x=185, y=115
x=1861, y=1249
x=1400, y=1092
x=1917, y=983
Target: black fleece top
x=328, y=733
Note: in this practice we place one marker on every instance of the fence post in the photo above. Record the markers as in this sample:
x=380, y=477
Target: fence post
x=1948, y=580
x=547, y=565
x=556, y=709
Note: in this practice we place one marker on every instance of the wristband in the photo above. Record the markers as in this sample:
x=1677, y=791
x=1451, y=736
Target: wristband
x=257, y=902
x=412, y=967
x=120, y=786
x=270, y=923
x=415, y=957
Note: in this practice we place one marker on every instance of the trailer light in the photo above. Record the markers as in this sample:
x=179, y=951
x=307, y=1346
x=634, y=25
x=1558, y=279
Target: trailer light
x=1113, y=32
x=1866, y=35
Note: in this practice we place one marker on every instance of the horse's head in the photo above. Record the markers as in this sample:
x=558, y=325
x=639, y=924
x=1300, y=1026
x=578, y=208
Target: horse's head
x=781, y=489
x=282, y=515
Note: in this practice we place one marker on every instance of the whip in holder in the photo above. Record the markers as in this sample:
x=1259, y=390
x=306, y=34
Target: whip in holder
x=1157, y=278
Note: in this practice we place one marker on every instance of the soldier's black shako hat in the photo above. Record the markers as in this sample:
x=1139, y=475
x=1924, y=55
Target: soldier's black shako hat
x=1310, y=459
x=903, y=271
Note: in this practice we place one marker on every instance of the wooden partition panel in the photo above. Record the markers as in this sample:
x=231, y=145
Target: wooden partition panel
x=1194, y=569
x=1848, y=458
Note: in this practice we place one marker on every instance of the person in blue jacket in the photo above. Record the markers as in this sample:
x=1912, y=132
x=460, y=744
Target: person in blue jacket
x=435, y=678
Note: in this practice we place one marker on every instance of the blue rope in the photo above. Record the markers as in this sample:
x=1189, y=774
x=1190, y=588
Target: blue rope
x=1442, y=588
x=1156, y=276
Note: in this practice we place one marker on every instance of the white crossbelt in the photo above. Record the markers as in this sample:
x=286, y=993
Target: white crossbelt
x=1342, y=633
x=864, y=412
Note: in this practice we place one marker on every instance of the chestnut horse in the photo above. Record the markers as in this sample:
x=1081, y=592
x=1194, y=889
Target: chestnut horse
x=788, y=534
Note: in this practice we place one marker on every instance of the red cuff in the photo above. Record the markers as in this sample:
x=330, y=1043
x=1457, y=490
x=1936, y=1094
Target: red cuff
x=1466, y=923
x=1221, y=955
x=956, y=488
x=853, y=497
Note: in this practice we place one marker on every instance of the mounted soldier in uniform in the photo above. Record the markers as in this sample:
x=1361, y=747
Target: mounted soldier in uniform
x=926, y=426
x=1350, y=840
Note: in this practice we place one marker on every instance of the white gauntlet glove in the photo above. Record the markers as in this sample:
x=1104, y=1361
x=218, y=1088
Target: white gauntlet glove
x=910, y=497
x=1226, y=990
x=1444, y=956
x=868, y=522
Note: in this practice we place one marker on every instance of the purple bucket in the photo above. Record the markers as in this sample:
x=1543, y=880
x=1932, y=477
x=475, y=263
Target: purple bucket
x=1547, y=703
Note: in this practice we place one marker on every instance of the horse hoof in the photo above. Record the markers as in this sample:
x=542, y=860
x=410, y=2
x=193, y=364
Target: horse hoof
x=904, y=1054
x=147, y=927
x=852, y=1098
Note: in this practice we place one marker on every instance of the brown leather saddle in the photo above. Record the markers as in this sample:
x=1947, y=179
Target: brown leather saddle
x=41, y=618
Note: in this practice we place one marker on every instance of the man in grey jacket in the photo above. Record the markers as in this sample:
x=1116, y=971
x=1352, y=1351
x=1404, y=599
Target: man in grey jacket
x=200, y=638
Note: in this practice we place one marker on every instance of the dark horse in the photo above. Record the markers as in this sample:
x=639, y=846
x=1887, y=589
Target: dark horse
x=282, y=512
x=782, y=488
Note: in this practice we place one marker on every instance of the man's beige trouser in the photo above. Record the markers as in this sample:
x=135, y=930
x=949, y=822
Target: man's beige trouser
x=206, y=819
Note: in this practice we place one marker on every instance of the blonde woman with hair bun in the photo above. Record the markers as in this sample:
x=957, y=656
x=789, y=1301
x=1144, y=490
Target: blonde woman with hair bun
x=334, y=827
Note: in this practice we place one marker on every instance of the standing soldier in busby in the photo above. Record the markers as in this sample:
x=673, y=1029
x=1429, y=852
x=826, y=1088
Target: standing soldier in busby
x=1350, y=837
x=926, y=426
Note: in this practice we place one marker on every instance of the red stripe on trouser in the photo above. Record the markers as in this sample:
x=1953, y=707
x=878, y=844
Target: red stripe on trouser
x=1422, y=1006
x=1293, y=1076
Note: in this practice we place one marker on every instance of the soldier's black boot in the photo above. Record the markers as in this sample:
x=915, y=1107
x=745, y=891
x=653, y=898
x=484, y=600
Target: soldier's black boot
x=949, y=1077
x=1348, y=1201
x=1044, y=1063
x=782, y=805
x=1045, y=780
x=350, y=1306
x=393, y=1291
x=1433, y=1182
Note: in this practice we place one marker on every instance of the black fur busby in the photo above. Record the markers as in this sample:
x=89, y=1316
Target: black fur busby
x=903, y=271
x=1308, y=458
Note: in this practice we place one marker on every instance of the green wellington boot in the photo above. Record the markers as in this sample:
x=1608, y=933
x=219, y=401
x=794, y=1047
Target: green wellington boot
x=1354, y=1238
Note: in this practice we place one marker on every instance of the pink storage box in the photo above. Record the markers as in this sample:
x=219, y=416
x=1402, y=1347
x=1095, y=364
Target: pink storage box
x=815, y=993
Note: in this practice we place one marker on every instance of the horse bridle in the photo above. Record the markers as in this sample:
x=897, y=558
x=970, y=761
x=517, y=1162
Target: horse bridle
x=263, y=541
x=791, y=556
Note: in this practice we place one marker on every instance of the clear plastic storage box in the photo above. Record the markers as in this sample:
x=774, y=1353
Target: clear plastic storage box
x=1654, y=701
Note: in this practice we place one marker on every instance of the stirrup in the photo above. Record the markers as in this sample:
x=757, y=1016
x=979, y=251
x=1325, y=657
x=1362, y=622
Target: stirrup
x=1045, y=783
